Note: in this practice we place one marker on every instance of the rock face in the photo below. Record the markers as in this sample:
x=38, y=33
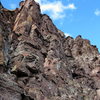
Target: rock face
x=37, y=62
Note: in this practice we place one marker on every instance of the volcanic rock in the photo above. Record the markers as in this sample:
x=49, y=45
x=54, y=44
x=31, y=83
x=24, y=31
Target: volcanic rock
x=37, y=61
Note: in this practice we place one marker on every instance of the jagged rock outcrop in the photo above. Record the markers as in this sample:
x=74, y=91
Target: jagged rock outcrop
x=37, y=62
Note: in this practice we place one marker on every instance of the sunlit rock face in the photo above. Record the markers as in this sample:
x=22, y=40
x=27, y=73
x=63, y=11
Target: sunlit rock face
x=37, y=61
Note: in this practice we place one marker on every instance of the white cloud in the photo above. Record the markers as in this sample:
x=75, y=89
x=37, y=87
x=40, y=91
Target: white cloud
x=13, y=6
x=67, y=34
x=39, y=1
x=71, y=6
x=97, y=12
x=56, y=9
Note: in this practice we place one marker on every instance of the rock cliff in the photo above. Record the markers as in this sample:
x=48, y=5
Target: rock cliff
x=37, y=62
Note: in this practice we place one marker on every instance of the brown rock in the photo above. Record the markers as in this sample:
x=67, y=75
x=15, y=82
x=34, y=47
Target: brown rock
x=37, y=62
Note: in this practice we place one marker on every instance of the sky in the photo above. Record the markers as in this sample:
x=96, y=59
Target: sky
x=73, y=17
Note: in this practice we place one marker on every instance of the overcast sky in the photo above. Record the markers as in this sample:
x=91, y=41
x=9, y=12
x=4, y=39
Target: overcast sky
x=73, y=17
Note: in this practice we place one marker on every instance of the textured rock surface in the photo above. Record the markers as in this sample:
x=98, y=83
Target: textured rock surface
x=37, y=62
